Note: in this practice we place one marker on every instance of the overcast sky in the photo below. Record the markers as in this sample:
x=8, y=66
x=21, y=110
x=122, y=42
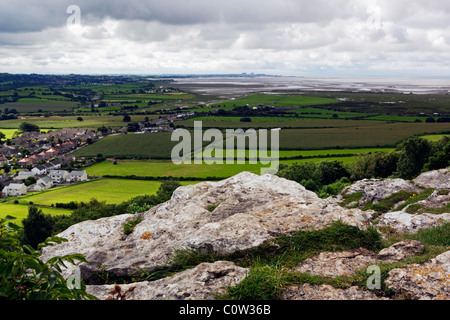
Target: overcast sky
x=287, y=37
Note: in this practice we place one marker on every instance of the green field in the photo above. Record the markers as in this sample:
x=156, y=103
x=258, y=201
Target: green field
x=435, y=137
x=109, y=190
x=35, y=104
x=131, y=145
x=166, y=168
x=20, y=211
x=278, y=100
x=9, y=133
x=89, y=121
x=159, y=145
x=379, y=135
x=273, y=122
x=286, y=154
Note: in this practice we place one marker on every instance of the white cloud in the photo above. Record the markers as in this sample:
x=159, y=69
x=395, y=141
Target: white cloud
x=207, y=36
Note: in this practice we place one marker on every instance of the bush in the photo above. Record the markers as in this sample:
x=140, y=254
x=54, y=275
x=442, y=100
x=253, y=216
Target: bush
x=314, y=176
x=37, y=227
x=377, y=165
x=414, y=153
x=23, y=276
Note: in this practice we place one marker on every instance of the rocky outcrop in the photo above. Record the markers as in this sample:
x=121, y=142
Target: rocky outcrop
x=333, y=264
x=203, y=282
x=429, y=281
x=244, y=212
x=326, y=292
x=410, y=223
x=437, y=179
x=375, y=190
x=347, y=263
x=238, y=213
x=400, y=251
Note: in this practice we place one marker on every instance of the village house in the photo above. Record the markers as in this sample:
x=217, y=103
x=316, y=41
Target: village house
x=25, y=162
x=23, y=175
x=43, y=156
x=39, y=170
x=42, y=184
x=14, y=190
x=58, y=176
x=56, y=164
x=77, y=176
x=9, y=151
x=51, y=153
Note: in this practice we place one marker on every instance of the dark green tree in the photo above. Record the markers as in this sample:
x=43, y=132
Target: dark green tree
x=414, y=153
x=332, y=171
x=28, y=127
x=441, y=157
x=37, y=227
x=166, y=190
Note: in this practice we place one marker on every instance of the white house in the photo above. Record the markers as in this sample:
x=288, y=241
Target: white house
x=22, y=175
x=14, y=190
x=43, y=183
x=58, y=176
x=39, y=170
x=77, y=176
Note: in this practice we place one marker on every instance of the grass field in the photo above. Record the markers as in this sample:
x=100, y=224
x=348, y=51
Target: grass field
x=382, y=134
x=321, y=153
x=34, y=104
x=131, y=145
x=435, y=137
x=273, y=122
x=89, y=121
x=20, y=211
x=278, y=100
x=9, y=133
x=159, y=145
x=109, y=190
x=166, y=168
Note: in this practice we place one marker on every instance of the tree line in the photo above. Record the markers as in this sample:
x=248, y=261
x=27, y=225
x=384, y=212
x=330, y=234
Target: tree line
x=410, y=158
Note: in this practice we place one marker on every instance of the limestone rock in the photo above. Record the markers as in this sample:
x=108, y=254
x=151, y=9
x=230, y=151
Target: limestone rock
x=437, y=179
x=428, y=281
x=200, y=283
x=238, y=213
x=334, y=264
x=375, y=190
x=400, y=251
x=409, y=223
x=347, y=263
x=435, y=200
x=326, y=292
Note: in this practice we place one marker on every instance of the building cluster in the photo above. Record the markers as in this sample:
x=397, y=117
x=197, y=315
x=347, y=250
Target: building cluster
x=43, y=182
x=162, y=124
x=41, y=156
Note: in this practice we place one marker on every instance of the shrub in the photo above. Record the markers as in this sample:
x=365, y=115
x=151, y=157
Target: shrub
x=23, y=276
x=414, y=153
x=37, y=227
x=128, y=227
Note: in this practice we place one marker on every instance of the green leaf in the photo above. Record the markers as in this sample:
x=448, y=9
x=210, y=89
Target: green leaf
x=7, y=270
x=33, y=264
x=29, y=248
x=12, y=227
x=52, y=277
x=78, y=257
